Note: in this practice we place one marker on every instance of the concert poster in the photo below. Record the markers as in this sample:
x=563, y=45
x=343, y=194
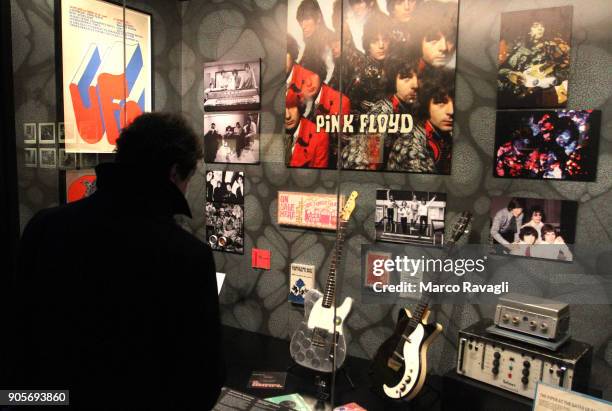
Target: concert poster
x=410, y=217
x=381, y=99
x=107, y=83
x=534, y=58
x=555, y=145
x=308, y=210
x=533, y=227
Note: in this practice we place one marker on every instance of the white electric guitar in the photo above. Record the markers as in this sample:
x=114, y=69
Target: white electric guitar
x=320, y=337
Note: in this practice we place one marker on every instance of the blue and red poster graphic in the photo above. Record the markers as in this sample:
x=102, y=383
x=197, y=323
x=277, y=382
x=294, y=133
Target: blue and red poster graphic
x=106, y=73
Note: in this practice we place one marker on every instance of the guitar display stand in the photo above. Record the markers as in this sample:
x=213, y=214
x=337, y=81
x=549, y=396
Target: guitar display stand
x=322, y=383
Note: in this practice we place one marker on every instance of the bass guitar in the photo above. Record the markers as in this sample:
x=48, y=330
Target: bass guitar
x=319, y=342
x=399, y=367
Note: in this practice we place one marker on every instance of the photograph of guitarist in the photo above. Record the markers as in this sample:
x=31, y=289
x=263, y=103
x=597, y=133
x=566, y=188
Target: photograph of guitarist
x=534, y=55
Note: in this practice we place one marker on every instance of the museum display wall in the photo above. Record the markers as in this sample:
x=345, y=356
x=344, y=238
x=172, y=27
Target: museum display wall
x=186, y=35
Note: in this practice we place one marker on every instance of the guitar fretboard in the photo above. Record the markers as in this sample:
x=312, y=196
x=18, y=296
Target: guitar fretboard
x=330, y=287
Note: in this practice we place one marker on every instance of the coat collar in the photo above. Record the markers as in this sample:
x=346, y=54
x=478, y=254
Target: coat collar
x=134, y=185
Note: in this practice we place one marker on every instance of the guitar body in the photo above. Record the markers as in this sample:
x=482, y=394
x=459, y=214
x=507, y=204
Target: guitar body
x=402, y=378
x=312, y=344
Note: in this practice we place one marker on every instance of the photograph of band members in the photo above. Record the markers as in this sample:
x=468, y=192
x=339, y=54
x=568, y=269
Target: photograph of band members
x=392, y=52
x=410, y=217
x=225, y=227
x=534, y=58
x=559, y=145
x=232, y=85
x=532, y=227
x=231, y=138
x=225, y=186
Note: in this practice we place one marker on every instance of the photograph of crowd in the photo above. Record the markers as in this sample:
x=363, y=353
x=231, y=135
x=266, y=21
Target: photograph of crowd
x=225, y=227
x=397, y=58
x=410, y=217
x=533, y=227
x=534, y=58
x=225, y=186
x=560, y=145
x=231, y=138
x=232, y=85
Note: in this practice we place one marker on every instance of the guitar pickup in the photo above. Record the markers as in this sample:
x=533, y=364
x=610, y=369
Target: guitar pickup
x=394, y=364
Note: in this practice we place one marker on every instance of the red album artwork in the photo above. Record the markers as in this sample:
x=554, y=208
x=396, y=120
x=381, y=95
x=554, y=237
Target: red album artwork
x=79, y=184
x=370, y=277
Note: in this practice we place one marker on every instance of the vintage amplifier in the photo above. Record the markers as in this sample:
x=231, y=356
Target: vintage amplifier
x=535, y=316
x=516, y=366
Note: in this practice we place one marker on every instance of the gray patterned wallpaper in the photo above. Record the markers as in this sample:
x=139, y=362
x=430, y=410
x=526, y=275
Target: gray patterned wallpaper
x=190, y=33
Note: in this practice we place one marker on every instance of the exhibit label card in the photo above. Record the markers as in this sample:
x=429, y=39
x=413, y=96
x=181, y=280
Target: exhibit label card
x=549, y=398
x=105, y=85
x=312, y=210
x=260, y=259
x=302, y=280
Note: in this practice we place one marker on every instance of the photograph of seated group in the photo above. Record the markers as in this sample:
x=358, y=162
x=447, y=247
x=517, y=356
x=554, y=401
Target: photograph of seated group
x=533, y=227
x=381, y=99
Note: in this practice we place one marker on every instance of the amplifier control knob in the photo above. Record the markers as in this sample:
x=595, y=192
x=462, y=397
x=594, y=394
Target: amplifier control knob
x=544, y=327
x=496, y=355
x=526, y=364
x=505, y=318
x=533, y=324
x=525, y=380
x=560, y=373
x=495, y=370
x=515, y=320
x=495, y=363
x=526, y=372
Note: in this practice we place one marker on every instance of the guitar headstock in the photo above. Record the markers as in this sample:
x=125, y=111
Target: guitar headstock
x=349, y=206
x=461, y=226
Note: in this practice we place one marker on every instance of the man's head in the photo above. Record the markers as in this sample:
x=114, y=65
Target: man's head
x=309, y=16
x=537, y=214
x=293, y=110
x=402, y=10
x=292, y=53
x=516, y=207
x=436, y=41
x=536, y=31
x=361, y=7
x=404, y=81
x=161, y=144
x=528, y=235
x=212, y=126
x=377, y=36
x=549, y=234
x=436, y=100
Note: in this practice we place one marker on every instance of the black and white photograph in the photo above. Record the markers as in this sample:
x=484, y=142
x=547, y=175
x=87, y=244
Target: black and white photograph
x=225, y=186
x=48, y=157
x=225, y=227
x=67, y=161
x=410, y=217
x=31, y=157
x=231, y=138
x=232, y=85
x=61, y=132
x=89, y=160
x=46, y=133
x=29, y=133
x=533, y=227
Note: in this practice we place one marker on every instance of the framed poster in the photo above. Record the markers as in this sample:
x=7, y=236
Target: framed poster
x=354, y=102
x=105, y=85
x=29, y=133
x=232, y=85
x=309, y=210
x=231, y=138
x=48, y=157
x=547, y=144
x=534, y=58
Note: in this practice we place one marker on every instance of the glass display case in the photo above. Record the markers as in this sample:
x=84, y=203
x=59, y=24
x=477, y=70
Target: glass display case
x=363, y=161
